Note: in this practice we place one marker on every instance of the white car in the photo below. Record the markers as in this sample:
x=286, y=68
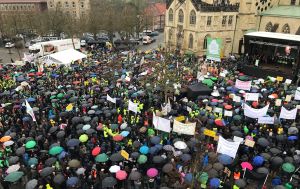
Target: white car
x=9, y=45
x=82, y=43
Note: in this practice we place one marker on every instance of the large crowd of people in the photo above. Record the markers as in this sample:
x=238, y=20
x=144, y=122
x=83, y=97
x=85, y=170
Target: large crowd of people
x=71, y=126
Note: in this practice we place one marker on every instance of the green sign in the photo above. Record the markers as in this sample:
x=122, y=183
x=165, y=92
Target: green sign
x=214, y=49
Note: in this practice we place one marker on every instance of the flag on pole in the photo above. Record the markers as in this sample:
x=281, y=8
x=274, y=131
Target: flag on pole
x=113, y=100
x=29, y=110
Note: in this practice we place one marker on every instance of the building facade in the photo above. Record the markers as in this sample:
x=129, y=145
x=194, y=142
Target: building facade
x=190, y=22
x=9, y=6
x=156, y=12
x=76, y=8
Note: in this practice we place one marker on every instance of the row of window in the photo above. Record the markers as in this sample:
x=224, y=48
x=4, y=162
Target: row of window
x=66, y=5
x=272, y=28
x=16, y=7
x=193, y=18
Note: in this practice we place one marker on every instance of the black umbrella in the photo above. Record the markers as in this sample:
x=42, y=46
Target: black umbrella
x=116, y=157
x=73, y=142
x=167, y=168
x=263, y=142
x=13, y=160
x=90, y=131
x=158, y=159
x=240, y=183
x=262, y=170
x=266, y=156
x=275, y=151
x=60, y=134
x=20, y=151
x=212, y=173
x=237, y=133
x=276, y=161
x=218, y=166
x=46, y=171
x=50, y=161
x=31, y=184
x=134, y=155
x=136, y=144
x=135, y=175
x=53, y=129
x=59, y=178
x=109, y=182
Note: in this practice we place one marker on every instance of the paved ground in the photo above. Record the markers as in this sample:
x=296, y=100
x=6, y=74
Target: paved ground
x=159, y=41
x=6, y=57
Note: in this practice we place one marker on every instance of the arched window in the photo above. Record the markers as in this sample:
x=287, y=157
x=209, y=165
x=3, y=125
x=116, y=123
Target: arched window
x=171, y=15
x=193, y=17
x=191, y=41
x=170, y=34
x=286, y=28
x=269, y=27
x=180, y=16
x=205, y=42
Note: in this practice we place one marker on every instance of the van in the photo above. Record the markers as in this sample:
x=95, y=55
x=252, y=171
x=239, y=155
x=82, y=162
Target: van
x=147, y=40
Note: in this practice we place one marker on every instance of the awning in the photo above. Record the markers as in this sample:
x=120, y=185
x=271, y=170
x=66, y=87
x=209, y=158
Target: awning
x=64, y=57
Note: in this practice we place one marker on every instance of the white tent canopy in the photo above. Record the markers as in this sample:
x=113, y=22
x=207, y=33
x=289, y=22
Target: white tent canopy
x=65, y=57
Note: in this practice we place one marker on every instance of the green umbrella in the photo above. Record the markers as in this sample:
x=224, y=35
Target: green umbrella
x=208, y=82
x=214, y=79
x=55, y=150
x=237, y=117
x=60, y=95
x=32, y=70
x=14, y=176
x=32, y=161
x=30, y=144
x=244, y=78
x=83, y=138
x=288, y=167
x=114, y=126
x=101, y=158
x=142, y=159
x=151, y=132
x=203, y=178
x=52, y=97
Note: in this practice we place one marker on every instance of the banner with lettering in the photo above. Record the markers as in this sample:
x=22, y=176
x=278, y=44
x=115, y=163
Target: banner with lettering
x=184, y=128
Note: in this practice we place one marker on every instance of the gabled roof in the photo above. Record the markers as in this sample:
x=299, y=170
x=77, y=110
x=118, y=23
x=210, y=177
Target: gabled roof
x=156, y=9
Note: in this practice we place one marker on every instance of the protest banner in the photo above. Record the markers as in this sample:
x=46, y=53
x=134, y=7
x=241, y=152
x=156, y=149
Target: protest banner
x=113, y=100
x=161, y=124
x=227, y=147
x=210, y=133
x=218, y=110
x=279, y=78
x=228, y=113
x=244, y=85
x=255, y=113
x=266, y=120
x=238, y=139
x=251, y=96
x=288, y=114
x=184, y=128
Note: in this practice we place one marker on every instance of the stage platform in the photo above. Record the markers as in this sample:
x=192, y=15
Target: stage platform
x=267, y=70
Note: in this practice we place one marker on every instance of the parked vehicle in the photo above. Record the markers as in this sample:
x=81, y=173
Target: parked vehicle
x=49, y=47
x=154, y=33
x=147, y=40
x=9, y=45
x=83, y=43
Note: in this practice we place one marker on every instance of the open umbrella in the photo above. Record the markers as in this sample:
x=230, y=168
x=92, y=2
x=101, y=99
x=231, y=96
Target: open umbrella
x=121, y=175
x=83, y=138
x=152, y=172
x=12, y=168
x=74, y=163
x=214, y=183
x=20, y=151
x=5, y=138
x=135, y=175
x=142, y=159
x=96, y=151
x=288, y=167
x=46, y=171
x=50, y=161
x=114, y=169
x=59, y=178
x=116, y=157
x=14, y=176
x=144, y=149
x=180, y=145
x=31, y=184
x=101, y=158
x=167, y=168
x=258, y=160
x=246, y=165
x=55, y=150
x=157, y=159
x=225, y=159
x=80, y=171
x=263, y=142
x=218, y=166
x=72, y=181
x=240, y=183
x=73, y=142
x=109, y=182
x=32, y=161
x=30, y=144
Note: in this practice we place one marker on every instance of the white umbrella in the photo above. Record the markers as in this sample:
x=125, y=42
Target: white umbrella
x=114, y=169
x=123, y=125
x=80, y=171
x=12, y=168
x=180, y=145
x=8, y=143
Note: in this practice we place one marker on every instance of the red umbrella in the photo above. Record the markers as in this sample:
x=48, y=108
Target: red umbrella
x=96, y=151
x=121, y=175
x=76, y=82
x=228, y=107
x=215, y=100
x=247, y=165
x=220, y=122
x=31, y=75
x=118, y=138
x=39, y=73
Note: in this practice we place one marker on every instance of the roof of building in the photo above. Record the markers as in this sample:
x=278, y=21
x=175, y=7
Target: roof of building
x=273, y=35
x=22, y=1
x=283, y=11
x=156, y=9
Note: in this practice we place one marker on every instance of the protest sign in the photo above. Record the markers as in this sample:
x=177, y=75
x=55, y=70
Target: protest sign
x=236, y=98
x=279, y=78
x=288, y=114
x=288, y=98
x=251, y=96
x=180, y=118
x=249, y=143
x=227, y=147
x=244, y=85
x=218, y=110
x=266, y=120
x=288, y=81
x=228, y=113
x=184, y=128
x=255, y=113
x=210, y=133
x=124, y=154
x=278, y=102
x=161, y=124
x=113, y=100
x=132, y=106
x=238, y=139
x=297, y=95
